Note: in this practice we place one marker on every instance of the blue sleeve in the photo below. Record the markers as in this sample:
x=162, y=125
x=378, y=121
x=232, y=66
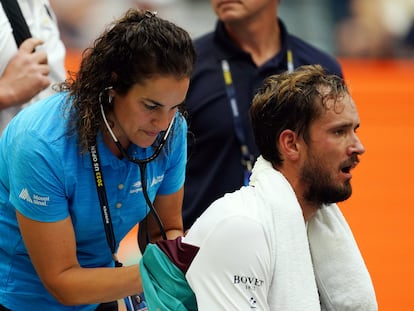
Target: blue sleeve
x=36, y=186
x=176, y=156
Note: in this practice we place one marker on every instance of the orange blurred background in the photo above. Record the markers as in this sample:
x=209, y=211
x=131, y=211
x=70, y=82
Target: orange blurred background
x=379, y=211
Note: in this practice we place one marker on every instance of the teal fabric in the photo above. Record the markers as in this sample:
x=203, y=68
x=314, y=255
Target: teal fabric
x=165, y=286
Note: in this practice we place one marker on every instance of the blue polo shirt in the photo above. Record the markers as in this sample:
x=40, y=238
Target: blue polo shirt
x=214, y=157
x=44, y=176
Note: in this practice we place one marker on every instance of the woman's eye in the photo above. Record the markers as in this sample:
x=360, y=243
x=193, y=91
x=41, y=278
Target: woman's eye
x=150, y=107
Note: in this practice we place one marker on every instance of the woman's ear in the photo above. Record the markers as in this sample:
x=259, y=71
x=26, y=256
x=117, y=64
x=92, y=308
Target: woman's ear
x=110, y=90
x=289, y=145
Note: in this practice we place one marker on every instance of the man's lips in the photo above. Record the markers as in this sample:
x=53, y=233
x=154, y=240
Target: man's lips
x=348, y=166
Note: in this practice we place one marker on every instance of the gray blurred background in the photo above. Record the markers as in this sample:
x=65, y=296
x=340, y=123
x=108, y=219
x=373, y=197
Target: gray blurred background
x=345, y=28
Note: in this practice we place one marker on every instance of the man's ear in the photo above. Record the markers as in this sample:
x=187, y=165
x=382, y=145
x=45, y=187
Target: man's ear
x=288, y=145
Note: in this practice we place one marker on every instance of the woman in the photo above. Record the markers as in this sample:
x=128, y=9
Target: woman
x=70, y=185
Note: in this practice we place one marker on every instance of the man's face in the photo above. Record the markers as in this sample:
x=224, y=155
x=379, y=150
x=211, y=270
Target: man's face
x=332, y=152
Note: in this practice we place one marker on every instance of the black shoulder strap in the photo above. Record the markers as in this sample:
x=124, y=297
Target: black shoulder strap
x=21, y=31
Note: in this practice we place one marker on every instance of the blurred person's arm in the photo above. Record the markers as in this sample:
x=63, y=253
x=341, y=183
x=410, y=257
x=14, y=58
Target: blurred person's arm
x=25, y=75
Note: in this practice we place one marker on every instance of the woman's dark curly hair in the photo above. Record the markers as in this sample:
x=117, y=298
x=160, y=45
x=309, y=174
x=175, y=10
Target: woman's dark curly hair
x=291, y=101
x=136, y=47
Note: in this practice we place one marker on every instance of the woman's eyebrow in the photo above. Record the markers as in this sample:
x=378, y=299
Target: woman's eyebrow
x=152, y=101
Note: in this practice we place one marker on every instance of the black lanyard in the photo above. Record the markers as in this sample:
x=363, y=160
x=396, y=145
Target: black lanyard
x=247, y=158
x=103, y=200
x=131, y=302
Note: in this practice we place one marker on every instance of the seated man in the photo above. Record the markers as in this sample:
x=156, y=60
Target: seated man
x=280, y=243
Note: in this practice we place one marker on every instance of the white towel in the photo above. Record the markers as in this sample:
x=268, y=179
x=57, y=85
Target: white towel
x=295, y=287
x=341, y=275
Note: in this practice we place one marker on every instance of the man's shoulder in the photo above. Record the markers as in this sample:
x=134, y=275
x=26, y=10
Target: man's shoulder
x=204, y=43
x=305, y=53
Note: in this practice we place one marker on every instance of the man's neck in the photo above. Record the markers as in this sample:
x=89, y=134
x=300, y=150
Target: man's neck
x=291, y=174
x=308, y=210
x=261, y=39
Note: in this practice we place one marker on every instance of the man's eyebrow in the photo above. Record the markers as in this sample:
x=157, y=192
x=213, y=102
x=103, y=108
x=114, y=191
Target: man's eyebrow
x=346, y=125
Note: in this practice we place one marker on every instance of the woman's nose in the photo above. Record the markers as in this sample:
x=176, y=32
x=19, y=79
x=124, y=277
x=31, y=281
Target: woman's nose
x=163, y=119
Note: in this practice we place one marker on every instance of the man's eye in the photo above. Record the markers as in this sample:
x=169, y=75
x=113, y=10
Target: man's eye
x=339, y=132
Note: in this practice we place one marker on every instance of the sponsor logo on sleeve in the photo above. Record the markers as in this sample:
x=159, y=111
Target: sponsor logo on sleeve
x=249, y=283
x=35, y=199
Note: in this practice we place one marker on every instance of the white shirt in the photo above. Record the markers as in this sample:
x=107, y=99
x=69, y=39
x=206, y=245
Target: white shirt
x=253, y=250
